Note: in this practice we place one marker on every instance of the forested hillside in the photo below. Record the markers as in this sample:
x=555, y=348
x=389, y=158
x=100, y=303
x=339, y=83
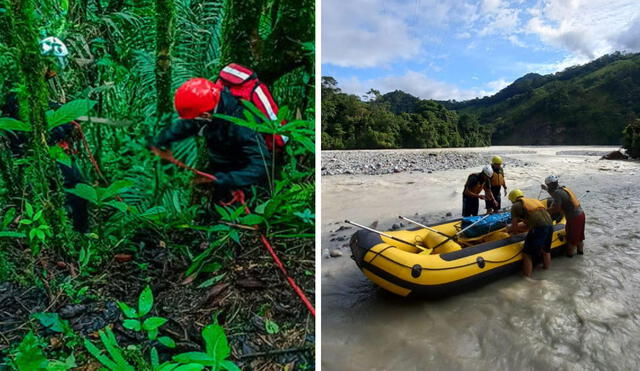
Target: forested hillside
x=588, y=104
x=393, y=120
x=140, y=264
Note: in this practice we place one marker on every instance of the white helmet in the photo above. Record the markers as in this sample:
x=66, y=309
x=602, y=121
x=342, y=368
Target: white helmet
x=551, y=179
x=487, y=170
x=54, y=47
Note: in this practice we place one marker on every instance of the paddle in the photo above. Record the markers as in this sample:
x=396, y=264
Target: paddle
x=424, y=226
x=385, y=235
x=459, y=233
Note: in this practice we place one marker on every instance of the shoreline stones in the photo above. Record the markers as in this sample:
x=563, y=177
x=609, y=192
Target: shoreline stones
x=390, y=162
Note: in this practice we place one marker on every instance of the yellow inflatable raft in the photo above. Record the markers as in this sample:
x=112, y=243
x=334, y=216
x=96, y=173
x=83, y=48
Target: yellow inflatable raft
x=451, y=267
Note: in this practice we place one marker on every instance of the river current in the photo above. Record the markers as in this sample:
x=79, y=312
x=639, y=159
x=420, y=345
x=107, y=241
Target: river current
x=581, y=314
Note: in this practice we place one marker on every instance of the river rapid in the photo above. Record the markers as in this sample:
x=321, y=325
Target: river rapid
x=581, y=314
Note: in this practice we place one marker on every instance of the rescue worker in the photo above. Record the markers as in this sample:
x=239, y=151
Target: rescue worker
x=476, y=183
x=565, y=201
x=54, y=50
x=237, y=155
x=497, y=181
x=530, y=214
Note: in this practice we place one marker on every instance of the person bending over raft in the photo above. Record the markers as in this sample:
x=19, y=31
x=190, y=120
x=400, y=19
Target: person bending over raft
x=565, y=201
x=497, y=181
x=476, y=183
x=538, y=221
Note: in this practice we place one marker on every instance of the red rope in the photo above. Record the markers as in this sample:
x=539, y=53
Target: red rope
x=238, y=196
x=168, y=156
x=266, y=244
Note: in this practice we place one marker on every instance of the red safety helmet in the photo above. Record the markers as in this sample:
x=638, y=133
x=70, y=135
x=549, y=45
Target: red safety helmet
x=195, y=97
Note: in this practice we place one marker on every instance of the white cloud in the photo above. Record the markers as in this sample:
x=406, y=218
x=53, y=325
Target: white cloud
x=411, y=82
x=497, y=85
x=361, y=33
x=516, y=41
x=586, y=29
x=630, y=39
x=489, y=6
x=545, y=68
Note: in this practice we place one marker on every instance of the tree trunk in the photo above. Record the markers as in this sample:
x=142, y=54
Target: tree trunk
x=283, y=51
x=165, y=14
x=240, y=37
x=32, y=101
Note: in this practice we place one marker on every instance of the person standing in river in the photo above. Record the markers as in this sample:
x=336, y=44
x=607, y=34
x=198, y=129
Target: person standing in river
x=565, y=201
x=476, y=183
x=531, y=214
x=497, y=182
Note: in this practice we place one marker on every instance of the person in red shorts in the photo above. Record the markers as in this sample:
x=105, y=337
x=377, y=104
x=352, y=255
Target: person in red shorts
x=565, y=201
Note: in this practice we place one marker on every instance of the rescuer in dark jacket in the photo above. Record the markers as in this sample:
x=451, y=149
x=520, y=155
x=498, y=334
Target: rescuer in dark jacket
x=237, y=155
x=51, y=48
x=61, y=135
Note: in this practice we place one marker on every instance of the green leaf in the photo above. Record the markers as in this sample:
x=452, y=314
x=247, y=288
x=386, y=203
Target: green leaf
x=211, y=281
x=132, y=324
x=155, y=359
x=154, y=213
x=8, y=217
x=58, y=154
x=10, y=234
x=121, y=206
x=215, y=340
x=251, y=219
x=70, y=112
x=152, y=334
x=115, y=188
x=271, y=327
x=111, y=345
x=211, y=267
x=127, y=310
x=145, y=301
x=84, y=191
x=153, y=323
x=68, y=364
x=167, y=341
x=195, y=357
x=29, y=209
x=190, y=367
x=97, y=354
x=8, y=123
x=260, y=208
x=30, y=356
x=229, y=366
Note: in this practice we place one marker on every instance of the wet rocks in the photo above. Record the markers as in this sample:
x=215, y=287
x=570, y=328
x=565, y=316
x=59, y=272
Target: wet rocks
x=389, y=162
x=615, y=155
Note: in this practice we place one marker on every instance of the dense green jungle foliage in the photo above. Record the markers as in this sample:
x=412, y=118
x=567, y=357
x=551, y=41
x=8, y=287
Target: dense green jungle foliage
x=148, y=224
x=588, y=104
x=393, y=120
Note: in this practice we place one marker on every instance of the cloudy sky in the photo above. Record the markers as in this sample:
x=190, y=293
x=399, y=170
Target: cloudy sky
x=460, y=49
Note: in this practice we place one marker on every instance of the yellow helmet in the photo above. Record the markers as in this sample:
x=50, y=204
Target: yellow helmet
x=496, y=160
x=515, y=194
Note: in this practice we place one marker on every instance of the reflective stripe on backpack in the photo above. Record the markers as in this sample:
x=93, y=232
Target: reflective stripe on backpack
x=243, y=84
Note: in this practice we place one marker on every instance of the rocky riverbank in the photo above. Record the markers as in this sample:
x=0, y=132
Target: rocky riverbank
x=387, y=162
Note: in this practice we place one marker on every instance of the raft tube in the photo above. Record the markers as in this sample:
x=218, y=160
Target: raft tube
x=449, y=268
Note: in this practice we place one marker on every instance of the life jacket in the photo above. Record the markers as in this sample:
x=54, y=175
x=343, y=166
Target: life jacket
x=531, y=205
x=498, y=178
x=243, y=84
x=572, y=196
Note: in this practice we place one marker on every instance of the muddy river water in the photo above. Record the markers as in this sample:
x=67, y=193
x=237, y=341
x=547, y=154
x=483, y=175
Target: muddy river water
x=581, y=314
